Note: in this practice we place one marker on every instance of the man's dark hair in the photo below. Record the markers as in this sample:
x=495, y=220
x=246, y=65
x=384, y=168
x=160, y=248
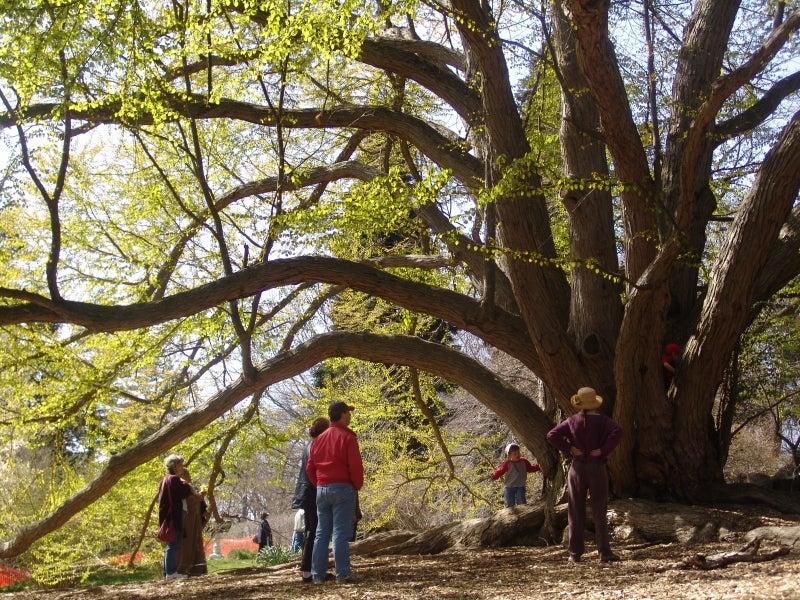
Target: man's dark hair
x=337, y=409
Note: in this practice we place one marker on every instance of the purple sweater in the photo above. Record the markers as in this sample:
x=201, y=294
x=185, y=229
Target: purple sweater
x=176, y=489
x=587, y=432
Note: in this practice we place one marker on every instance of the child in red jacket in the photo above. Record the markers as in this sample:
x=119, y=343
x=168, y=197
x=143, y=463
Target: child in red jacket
x=516, y=470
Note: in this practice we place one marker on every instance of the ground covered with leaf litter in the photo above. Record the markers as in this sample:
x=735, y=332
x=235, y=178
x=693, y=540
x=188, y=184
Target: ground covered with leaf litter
x=496, y=573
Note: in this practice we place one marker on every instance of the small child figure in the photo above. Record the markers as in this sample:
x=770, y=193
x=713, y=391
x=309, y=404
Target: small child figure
x=516, y=470
x=669, y=360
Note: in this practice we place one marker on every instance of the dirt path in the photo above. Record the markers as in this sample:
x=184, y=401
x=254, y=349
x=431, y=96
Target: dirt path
x=503, y=573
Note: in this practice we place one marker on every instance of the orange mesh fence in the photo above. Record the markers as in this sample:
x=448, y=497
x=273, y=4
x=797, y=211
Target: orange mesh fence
x=9, y=575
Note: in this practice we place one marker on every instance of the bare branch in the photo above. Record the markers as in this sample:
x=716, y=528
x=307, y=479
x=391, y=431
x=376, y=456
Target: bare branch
x=759, y=112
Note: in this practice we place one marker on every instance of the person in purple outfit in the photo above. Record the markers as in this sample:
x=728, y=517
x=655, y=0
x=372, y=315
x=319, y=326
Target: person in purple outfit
x=171, y=493
x=588, y=437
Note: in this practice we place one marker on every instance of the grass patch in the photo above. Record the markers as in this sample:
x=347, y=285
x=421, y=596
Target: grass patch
x=113, y=576
x=275, y=555
x=230, y=564
x=19, y=586
x=140, y=573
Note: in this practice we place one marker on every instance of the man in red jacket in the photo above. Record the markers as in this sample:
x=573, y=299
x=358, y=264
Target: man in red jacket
x=335, y=468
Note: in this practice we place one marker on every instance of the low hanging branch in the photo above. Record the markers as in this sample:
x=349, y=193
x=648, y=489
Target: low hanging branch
x=717, y=561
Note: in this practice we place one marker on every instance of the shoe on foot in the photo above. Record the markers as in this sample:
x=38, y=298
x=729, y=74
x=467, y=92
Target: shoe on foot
x=176, y=576
x=352, y=578
x=574, y=558
x=610, y=557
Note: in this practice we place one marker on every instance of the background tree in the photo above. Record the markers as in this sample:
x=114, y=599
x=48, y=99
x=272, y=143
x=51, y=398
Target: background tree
x=186, y=183
x=760, y=388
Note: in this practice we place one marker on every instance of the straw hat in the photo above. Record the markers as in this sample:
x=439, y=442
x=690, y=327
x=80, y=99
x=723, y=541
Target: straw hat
x=586, y=399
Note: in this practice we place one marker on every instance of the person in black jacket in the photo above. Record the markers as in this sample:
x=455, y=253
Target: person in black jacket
x=264, y=537
x=305, y=497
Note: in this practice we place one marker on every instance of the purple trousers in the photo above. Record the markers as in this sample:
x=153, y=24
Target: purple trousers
x=582, y=478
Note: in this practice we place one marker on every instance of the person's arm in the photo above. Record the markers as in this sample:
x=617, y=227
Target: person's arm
x=560, y=437
x=311, y=467
x=163, y=498
x=355, y=464
x=499, y=471
x=665, y=360
x=531, y=468
x=612, y=438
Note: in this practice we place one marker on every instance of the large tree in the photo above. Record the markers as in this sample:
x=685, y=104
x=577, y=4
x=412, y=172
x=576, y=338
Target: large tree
x=189, y=185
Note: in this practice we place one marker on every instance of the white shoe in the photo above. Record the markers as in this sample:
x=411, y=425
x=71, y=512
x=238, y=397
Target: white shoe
x=176, y=576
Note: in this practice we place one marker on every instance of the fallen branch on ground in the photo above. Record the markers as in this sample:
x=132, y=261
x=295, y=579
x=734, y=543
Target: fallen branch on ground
x=716, y=561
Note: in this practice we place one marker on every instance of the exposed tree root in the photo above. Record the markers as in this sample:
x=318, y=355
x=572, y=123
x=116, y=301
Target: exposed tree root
x=785, y=536
x=517, y=526
x=630, y=520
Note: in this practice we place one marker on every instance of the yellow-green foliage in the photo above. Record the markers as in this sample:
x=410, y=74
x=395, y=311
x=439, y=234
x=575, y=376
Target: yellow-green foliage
x=37, y=480
x=348, y=223
x=408, y=479
x=416, y=489
x=106, y=529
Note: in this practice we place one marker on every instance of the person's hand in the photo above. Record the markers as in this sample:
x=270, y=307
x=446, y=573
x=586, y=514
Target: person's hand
x=575, y=451
x=596, y=453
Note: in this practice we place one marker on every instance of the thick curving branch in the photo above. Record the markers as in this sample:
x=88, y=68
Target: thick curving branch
x=783, y=263
x=441, y=145
x=498, y=328
x=401, y=57
x=527, y=420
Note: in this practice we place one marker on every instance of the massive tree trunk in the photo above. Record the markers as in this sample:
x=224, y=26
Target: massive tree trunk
x=661, y=303
x=726, y=311
x=522, y=213
x=595, y=303
x=639, y=465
